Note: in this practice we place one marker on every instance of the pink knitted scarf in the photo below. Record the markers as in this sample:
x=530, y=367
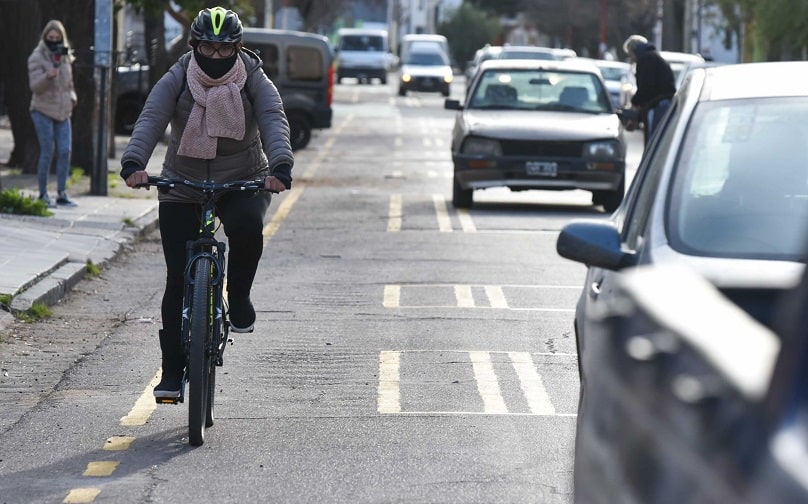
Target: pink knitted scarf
x=217, y=112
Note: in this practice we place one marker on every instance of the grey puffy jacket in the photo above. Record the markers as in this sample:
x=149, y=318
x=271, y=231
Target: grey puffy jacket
x=265, y=145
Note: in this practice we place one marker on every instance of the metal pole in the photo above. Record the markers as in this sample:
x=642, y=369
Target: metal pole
x=102, y=49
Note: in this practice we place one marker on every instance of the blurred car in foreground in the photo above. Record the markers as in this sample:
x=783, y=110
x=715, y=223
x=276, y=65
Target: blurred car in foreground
x=722, y=190
x=538, y=124
x=680, y=62
x=483, y=54
x=696, y=401
x=425, y=69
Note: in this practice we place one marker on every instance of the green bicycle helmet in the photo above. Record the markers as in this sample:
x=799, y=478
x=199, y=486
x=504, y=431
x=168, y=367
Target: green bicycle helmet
x=216, y=24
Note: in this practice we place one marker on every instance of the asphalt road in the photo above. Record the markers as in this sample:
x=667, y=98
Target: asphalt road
x=404, y=351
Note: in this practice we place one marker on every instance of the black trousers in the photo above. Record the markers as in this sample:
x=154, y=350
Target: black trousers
x=242, y=217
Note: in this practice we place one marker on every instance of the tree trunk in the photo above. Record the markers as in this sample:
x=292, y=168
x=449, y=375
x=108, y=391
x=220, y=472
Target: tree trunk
x=20, y=24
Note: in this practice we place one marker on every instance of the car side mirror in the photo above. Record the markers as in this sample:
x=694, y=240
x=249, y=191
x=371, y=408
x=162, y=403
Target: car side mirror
x=452, y=104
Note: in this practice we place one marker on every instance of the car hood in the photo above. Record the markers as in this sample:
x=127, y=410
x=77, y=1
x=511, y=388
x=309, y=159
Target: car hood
x=426, y=70
x=532, y=125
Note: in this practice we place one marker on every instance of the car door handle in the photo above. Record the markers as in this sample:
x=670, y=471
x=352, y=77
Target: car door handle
x=594, y=288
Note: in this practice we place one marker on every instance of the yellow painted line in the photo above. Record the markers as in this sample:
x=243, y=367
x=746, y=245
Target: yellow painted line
x=394, y=214
x=392, y=296
x=81, y=495
x=118, y=443
x=389, y=393
x=102, y=468
x=283, y=211
x=463, y=296
x=465, y=221
x=496, y=298
x=532, y=386
x=144, y=406
x=487, y=383
x=444, y=222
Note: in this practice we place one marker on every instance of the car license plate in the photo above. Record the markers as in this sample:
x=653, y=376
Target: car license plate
x=543, y=169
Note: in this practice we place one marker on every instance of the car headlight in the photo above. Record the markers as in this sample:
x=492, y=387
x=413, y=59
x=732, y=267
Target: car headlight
x=448, y=78
x=609, y=149
x=476, y=146
x=406, y=77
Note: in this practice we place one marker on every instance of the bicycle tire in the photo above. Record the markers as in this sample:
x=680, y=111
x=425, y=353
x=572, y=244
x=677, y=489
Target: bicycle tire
x=199, y=363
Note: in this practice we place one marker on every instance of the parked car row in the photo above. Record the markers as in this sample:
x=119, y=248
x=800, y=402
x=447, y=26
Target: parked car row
x=678, y=400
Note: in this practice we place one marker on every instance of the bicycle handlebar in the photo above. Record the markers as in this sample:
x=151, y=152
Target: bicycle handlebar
x=166, y=184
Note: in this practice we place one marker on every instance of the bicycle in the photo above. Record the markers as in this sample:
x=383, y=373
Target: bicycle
x=205, y=328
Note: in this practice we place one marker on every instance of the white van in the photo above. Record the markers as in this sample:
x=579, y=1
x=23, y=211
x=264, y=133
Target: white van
x=421, y=40
x=363, y=54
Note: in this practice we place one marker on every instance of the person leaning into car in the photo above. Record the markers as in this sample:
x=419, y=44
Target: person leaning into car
x=655, y=82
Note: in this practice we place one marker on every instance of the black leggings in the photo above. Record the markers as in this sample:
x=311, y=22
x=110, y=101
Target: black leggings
x=242, y=217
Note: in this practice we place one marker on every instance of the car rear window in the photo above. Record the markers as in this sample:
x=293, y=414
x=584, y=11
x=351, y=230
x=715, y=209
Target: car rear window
x=741, y=183
x=361, y=43
x=540, y=90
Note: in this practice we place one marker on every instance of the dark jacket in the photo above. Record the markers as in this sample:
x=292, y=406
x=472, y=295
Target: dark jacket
x=265, y=145
x=654, y=77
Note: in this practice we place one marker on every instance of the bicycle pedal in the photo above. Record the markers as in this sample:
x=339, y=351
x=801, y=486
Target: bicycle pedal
x=168, y=400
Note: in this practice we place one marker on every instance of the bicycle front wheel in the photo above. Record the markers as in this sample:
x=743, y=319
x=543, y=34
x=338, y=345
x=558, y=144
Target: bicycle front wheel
x=200, y=359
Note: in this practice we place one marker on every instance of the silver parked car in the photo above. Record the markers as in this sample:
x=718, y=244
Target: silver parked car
x=722, y=190
x=538, y=124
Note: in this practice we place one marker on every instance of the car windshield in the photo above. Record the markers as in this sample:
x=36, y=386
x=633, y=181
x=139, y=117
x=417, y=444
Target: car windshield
x=427, y=59
x=741, y=185
x=361, y=43
x=540, y=90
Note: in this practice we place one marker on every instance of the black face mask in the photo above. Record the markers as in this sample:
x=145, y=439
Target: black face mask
x=56, y=47
x=215, y=68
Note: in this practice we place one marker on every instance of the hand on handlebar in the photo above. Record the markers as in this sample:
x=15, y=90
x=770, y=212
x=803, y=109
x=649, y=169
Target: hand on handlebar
x=274, y=184
x=138, y=178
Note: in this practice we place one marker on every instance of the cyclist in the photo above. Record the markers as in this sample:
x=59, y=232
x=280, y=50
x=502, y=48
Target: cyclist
x=227, y=123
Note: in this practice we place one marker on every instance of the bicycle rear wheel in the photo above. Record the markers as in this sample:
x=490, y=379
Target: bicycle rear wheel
x=200, y=362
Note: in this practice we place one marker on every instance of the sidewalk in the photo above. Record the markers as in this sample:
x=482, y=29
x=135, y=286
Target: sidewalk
x=42, y=258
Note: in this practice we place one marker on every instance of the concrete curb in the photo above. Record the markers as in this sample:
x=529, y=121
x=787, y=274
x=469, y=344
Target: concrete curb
x=52, y=286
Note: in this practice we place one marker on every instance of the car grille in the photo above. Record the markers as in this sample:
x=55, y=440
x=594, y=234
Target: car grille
x=543, y=149
x=427, y=81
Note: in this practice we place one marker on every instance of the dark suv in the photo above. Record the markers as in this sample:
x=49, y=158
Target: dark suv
x=299, y=63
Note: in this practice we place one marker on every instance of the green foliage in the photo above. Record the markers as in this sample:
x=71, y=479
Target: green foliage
x=5, y=301
x=12, y=201
x=500, y=7
x=76, y=174
x=467, y=30
x=36, y=312
x=93, y=270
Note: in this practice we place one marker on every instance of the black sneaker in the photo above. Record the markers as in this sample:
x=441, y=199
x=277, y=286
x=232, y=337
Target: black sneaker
x=242, y=315
x=170, y=384
x=64, y=200
x=48, y=202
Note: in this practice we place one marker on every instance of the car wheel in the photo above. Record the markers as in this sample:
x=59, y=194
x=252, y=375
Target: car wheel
x=609, y=199
x=462, y=198
x=299, y=130
x=384, y=80
x=402, y=92
x=445, y=92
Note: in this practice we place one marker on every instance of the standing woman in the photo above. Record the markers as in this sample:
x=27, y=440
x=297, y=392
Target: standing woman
x=50, y=77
